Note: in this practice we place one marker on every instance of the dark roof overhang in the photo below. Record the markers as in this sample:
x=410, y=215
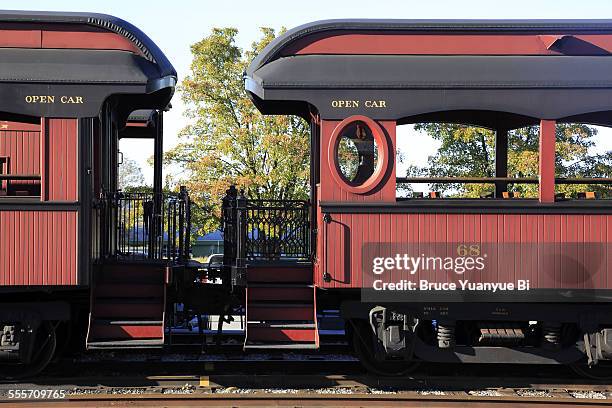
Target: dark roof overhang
x=551, y=87
x=433, y=72
x=70, y=66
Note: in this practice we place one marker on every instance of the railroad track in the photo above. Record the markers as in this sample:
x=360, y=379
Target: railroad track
x=312, y=390
x=130, y=379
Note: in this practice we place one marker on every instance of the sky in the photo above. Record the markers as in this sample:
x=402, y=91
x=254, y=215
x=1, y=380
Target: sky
x=175, y=25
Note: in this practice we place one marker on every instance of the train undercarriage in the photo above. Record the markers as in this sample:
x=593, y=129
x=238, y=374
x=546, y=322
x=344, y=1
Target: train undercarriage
x=393, y=337
x=389, y=340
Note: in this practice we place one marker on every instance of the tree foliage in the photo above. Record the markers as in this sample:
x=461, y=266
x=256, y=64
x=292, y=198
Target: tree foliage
x=227, y=140
x=130, y=174
x=467, y=151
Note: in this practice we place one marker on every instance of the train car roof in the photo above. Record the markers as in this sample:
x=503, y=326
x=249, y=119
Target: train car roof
x=320, y=28
x=553, y=69
x=67, y=64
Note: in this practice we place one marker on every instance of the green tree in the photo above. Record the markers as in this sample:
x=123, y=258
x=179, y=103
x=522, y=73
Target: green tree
x=227, y=140
x=130, y=174
x=468, y=151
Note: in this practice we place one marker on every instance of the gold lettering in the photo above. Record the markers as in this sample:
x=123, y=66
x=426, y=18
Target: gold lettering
x=353, y=103
x=40, y=98
x=71, y=99
x=347, y=103
x=376, y=104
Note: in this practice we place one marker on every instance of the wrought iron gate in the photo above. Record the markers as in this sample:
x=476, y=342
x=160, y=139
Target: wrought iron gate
x=145, y=225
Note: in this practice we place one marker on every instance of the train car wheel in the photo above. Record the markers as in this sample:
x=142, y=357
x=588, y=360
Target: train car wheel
x=63, y=340
x=602, y=371
x=363, y=343
x=44, y=350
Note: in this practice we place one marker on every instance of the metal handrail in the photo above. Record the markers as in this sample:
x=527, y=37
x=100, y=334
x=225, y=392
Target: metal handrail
x=491, y=180
x=265, y=229
x=145, y=225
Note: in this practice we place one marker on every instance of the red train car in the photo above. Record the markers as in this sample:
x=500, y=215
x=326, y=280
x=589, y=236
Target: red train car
x=379, y=257
x=498, y=279
x=72, y=85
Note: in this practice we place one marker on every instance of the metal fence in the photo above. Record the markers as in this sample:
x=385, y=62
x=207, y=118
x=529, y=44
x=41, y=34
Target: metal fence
x=265, y=229
x=145, y=226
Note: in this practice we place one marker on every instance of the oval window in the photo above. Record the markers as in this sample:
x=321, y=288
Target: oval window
x=357, y=153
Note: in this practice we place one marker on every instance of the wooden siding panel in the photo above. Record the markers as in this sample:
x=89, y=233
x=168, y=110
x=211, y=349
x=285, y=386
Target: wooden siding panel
x=61, y=160
x=546, y=249
x=41, y=248
x=22, y=147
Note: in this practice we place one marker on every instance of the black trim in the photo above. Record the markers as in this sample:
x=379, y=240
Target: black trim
x=158, y=159
x=16, y=117
x=37, y=205
x=258, y=263
x=53, y=310
x=490, y=119
x=19, y=176
x=315, y=179
x=85, y=176
x=134, y=132
x=43, y=289
x=468, y=206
